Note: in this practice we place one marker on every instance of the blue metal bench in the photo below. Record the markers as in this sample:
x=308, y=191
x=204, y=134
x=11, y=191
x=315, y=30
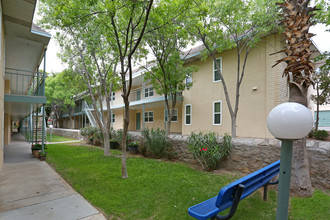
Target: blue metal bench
x=230, y=195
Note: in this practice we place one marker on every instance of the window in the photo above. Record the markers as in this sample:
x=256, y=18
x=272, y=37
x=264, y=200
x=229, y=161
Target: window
x=113, y=96
x=148, y=116
x=188, y=114
x=216, y=74
x=189, y=80
x=113, y=117
x=148, y=92
x=174, y=116
x=217, y=113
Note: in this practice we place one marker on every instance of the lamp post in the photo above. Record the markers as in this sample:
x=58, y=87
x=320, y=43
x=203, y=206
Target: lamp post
x=287, y=122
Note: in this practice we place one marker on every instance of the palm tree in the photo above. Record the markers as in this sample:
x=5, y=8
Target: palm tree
x=296, y=21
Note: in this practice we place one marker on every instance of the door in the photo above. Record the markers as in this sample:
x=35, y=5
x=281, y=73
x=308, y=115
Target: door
x=138, y=121
x=138, y=95
x=324, y=118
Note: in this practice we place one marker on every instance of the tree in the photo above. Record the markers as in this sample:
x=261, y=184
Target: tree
x=323, y=12
x=52, y=101
x=59, y=92
x=81, y=36
x=296, y=22
x=228, y=24
x=96, y=36
x=166, y=43
x=321, y=79
x=124, y=23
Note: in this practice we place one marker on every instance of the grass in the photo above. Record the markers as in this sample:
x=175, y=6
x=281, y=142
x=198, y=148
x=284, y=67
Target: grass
x=160, y=190
x=56, y=138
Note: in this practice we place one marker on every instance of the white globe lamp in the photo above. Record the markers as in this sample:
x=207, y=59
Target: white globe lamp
x=290, y=121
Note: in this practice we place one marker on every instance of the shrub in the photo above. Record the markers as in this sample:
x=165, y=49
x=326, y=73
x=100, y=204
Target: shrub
x=311, y=133
x=157, y=144
x=36, y=147
x=133, y=143
x=206, y=150
x=142, y=148
x=321, y=134
x=88, y=131
x=118, y=136
x=92, y=134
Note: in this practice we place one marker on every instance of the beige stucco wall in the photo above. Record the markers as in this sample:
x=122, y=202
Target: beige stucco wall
x=260, y=91
x=119, y=119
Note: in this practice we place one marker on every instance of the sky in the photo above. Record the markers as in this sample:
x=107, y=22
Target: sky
x=54, y=64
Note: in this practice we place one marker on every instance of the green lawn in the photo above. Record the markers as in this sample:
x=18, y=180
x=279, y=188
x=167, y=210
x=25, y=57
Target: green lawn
x=56, y=138
x=160, y=190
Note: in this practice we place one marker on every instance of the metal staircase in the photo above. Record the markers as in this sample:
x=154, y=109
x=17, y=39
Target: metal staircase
x=37, y=128
x=90, y=114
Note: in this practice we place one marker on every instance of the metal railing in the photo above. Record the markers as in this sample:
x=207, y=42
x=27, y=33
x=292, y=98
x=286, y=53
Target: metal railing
x=28, y=128
x=23, y=82
x=90, y=115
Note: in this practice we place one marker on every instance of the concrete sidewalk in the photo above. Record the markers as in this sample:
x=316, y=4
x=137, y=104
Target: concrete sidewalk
x=31, y=190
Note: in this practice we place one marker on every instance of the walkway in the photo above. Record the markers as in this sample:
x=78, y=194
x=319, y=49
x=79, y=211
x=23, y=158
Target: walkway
x=31, y=190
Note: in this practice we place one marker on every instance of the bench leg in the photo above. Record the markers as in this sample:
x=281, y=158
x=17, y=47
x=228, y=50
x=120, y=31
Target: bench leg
x=266, y=188
x=236, y=200
x=265, y=191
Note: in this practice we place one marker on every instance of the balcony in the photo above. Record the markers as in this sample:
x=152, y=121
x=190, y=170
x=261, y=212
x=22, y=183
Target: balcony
x=144, y=96
x=80, y=108
x=23, y=82
x=24, y=91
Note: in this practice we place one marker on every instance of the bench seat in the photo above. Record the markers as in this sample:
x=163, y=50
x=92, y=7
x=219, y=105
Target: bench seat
x=204, y=210
x=226, y=196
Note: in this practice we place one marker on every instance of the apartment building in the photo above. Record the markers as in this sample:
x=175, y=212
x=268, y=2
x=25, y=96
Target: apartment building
x=22, y=49
x=203, y=107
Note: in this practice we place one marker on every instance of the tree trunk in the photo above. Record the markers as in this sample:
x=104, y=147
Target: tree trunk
x=300, y=178
x=123, y=141
x=168, y=125
x=106, y=143
x=233, y=126
x=168, y=122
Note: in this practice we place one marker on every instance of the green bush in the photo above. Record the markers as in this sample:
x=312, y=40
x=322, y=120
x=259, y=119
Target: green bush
x=92, y=134
x=206, y=150
x=321, y=134
x=311, y=133
x=117, y=135
x=36, y=147
x=88, y=131
x=156, y=144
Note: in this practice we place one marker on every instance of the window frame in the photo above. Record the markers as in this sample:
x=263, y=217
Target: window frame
x=113, y=96
x=189, y=78
x=166, y=115
x=213, y=122
x=113, y=118
x=146, y=119
x=185, y=114
x=149, y=90
x=214, y=69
